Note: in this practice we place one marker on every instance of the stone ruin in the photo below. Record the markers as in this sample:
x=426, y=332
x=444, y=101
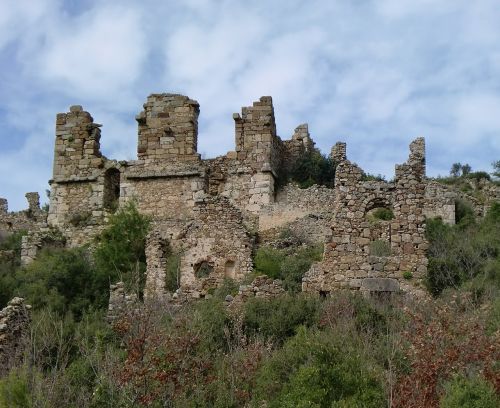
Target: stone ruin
x=15, y=321
x=210, y=211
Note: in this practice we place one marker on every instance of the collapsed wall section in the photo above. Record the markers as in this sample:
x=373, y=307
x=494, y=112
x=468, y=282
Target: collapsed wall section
x=362, y=247
x=213, y=246
x=168, y=128
x=24, y=220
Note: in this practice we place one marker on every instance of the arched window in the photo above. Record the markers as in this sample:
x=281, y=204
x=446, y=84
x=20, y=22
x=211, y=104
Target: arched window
x=379, y=210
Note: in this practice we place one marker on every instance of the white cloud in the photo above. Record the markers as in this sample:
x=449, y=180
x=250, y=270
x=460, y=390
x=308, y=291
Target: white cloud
x=97, y=54
x=374, y=73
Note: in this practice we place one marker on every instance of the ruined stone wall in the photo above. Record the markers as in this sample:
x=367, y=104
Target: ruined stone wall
x=293, y=203
x=213, y=246
x=164, y=198
x=25, y=220
x=168, y=129
x=362, y=248
x=439, y=202
x=301, y=143
x=203, y=208
x=14, y=333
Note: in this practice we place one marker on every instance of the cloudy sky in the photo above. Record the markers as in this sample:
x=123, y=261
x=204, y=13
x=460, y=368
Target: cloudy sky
x=373, y=73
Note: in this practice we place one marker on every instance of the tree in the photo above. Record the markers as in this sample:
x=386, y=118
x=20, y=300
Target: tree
x=455, y=169
x=466, y=169
x=496, y=169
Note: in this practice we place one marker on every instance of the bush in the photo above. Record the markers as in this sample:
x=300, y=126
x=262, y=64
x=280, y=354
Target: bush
x=384, y=214
x=63, y=280
x=380, y=248
x=120, y=253
x=463, y=211
x=469, y=392
x=315, y=369
x=313, y=168
x=172, y=273
x=278, y=318
x=14, y=390
x=460, y=253
x=268, y=261
x=8, y=266
x=478, y=175
x=290, y=268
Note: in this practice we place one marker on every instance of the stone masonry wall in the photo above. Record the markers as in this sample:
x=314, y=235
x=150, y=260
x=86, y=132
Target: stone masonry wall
x=25, y=220
x=213, y=246
x=203, y=208
x=351, y=256
x=14, y=333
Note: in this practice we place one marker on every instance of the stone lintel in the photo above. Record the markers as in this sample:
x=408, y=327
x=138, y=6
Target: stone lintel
x=380, y=285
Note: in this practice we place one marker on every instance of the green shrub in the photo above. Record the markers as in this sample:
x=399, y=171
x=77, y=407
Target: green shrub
x=290, y=268
x=120, y=253
x=268, y=261
x=294, y=267
x=382, y=213
x=8, y=266
x=313, y=168
x=319, y=369
x=380, y=248
x=469, y=392
x=62, y=280
x=172, y=274
x=478, y=175
x=210, y=318
x=463, y=211
x=407, y=275
x=14, y=390
x=463, y=252
x=278, y=318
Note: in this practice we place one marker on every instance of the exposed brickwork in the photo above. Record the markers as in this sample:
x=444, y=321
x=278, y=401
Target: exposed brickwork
x=350, y=257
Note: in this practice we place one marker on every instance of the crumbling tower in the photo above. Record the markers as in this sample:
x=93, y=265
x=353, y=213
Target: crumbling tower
x=168, y=128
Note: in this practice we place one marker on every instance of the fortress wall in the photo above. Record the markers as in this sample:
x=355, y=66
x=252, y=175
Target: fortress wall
x=164, y=198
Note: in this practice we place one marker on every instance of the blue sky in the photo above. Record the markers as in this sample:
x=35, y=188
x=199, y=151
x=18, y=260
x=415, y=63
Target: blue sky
x=373, y=73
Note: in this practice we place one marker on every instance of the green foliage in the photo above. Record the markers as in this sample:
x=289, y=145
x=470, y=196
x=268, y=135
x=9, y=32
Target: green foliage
x=466, y=251
x=14, y=391
x=62, y=280
x=372, y=177
x=313, y=168
x=380, y=247
x=315, y=369
x=459, y=169
x=382, y=213
x=120, y=253
x=463, y=212
x=278, y=318
x=268, y=261
x=407, y=275
x=9, y=265
x=229, y=287
x=469, y=392
x=172, y=271
x=289, y=267
x=479, y=175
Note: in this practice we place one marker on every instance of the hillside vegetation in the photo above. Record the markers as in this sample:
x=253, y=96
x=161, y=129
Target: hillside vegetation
x=292, y=351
